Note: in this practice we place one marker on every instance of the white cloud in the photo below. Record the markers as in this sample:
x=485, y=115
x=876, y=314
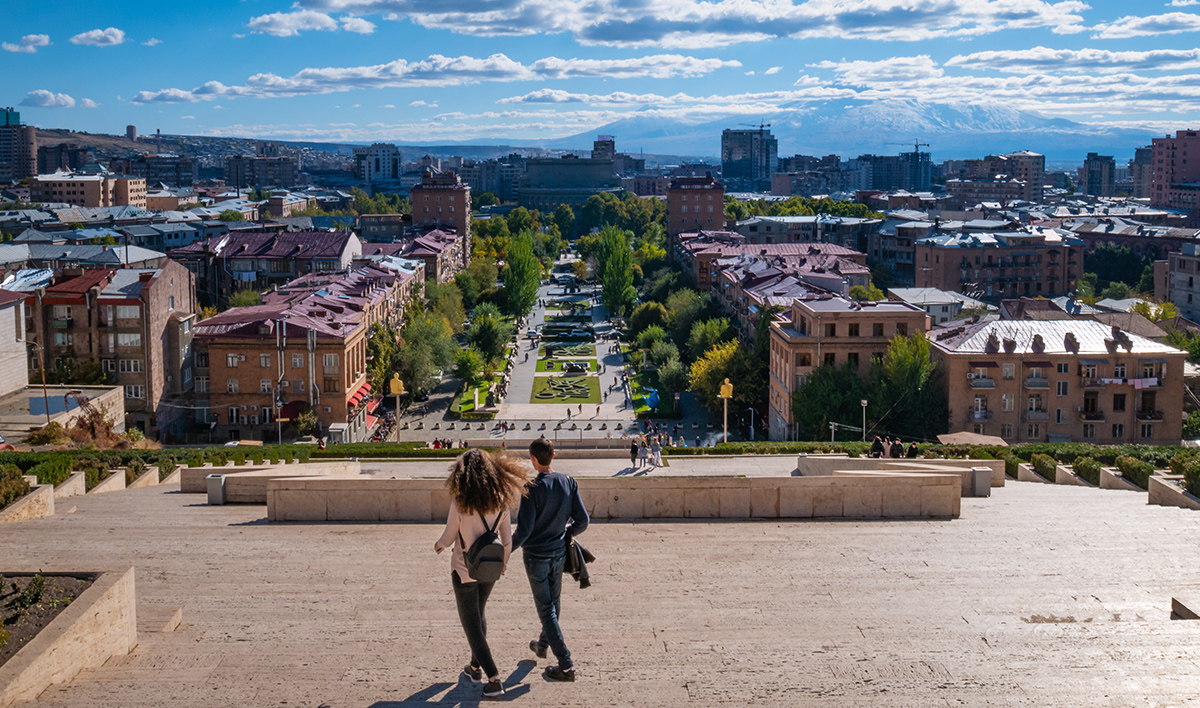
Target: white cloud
x=41, y=98
x=773, y=70
x=1132, y=26
x=28, y=45
x=750, y=73
x=387, y=105
x=1183, y=3
x=420, y=104
x=100, y=37
x=88, y=103
x=187, y=118
x=707, y=23
x=357, y=25
x=865, y=73
x=438, y=70
x=152, y=42
x=1046, y=60
x=290, y=24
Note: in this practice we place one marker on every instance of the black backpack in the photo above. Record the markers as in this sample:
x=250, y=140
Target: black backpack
x=485, y=557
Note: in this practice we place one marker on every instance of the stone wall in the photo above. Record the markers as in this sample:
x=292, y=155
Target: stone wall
x=37, y=504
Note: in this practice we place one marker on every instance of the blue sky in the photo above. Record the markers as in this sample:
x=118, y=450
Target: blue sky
x=513, y=70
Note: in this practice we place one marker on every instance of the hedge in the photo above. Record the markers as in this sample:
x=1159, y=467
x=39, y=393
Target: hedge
x=1191, y=476
x=12, y=485
x=1044, y=465
x=52, y=471
x=1088, y=469
x=1135, y=470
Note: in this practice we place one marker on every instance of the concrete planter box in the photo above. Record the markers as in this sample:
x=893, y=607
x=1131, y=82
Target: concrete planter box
x=1066, y=475
x=114, y=483
x=250, y=485
x=1110, y=478
x=99, y=624
x=1025, y=473
x=149, y=478
x=37, y=504
x=75, y=485
x=1167, y=490
x=172, y=478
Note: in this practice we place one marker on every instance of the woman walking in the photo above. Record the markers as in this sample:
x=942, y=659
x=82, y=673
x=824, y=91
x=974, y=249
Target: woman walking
x=633, y=453
x=483, y=488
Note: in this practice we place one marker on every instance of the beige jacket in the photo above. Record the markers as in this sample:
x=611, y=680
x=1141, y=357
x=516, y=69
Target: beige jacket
x=472, y=527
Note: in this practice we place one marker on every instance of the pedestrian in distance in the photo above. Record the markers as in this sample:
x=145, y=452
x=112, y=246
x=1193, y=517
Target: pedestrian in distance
x=483, y=488
x=568, y=412
x=656, y=451
x=550, y=515
x=633, y=453
x=597, y=411
x=643, y=451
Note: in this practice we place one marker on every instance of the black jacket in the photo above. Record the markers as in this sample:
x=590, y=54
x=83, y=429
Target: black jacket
x=577, y=559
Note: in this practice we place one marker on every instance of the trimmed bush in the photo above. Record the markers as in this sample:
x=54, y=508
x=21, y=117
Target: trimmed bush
x=133, y=470
x=1044, y=465
x=12, y=485
x=1191, y=476
x=166, y=466
x=1088, y=469
x=1179, y=462
x=1135, y=470
x=1010, y=465
x=55, y=470
x=239, y=458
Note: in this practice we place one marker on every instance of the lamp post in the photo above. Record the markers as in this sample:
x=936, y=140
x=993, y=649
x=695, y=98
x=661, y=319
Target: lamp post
x=864, y=427
x=397, y=388
x=726, y=394
x=751, y=409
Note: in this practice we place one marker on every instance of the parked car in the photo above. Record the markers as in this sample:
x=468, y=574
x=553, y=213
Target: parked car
x=532, y=334
x=580, y=333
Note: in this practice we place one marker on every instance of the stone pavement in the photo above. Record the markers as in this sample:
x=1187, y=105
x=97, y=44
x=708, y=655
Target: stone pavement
x=1039, y=596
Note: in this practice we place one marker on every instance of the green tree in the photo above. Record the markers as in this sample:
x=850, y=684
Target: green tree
x=245, y=298
x=707, y=334
x=726, y=361
x=445, y=300
x=520, y=220
x=468, y=288
x=1191, y=426
x=1113, y=263
x=1085, y=288
x=647, y=314
x=1156, y=311
x=659, y=284
x=650, y=336
x=230, y=215
x=522, y=276
x=684, y=307
x=1117, y=290
x=468, y=364
x=616, y=272
x=672, y=379
x=871, y=294
x=1181, y=340
x=663, y=351
x=487, y=199
x=913, y=400
x=488, y=334
x=381, y=347
x=564, y=218
x=76, y=372
x=830, y=394
x=427, y=347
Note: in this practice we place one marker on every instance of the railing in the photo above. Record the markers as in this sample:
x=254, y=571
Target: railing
x=1149, y=415
x=1037, y=416
x=67, y=323
x=1085, y=382
x=980, y=416
x=983, y=382
x=1092, y=416
x=1037, y=382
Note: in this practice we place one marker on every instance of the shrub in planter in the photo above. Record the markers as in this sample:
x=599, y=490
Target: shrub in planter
x=1010, y=465
x=1191, y=476
x=12, y=485
x=52, y=471
x=1088, y=469
x=1044, y=465
x=1179, y=462
x=979, y=454
x=256, y=457
x=1135, y=470
x=133, y=469
x=166, y=465
x=239, y=458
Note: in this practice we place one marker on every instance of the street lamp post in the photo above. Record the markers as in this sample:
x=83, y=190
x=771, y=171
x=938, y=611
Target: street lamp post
x=864, y=428
x=726, y=394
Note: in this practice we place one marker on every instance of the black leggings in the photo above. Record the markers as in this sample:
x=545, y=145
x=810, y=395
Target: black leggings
x=471, y=599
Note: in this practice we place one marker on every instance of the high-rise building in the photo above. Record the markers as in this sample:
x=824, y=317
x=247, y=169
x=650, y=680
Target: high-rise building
x=52, y=158
x=168, y=169
x=442, y=200
x=378, y=163
x=695, y=204
x=1097, y=175
x=749, y=158
x=18, y=147
x=246, y=171
x=131, y=132
x=604, y=148
x=919, y=168
x=1141, y=172
x=1175, y=183
x=1024, y=166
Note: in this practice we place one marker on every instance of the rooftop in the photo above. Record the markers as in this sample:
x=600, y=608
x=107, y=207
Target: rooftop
x=1092, y=337
x=285, y=244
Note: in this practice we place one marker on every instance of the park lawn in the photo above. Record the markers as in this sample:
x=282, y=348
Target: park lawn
x=588, y=351
x=541, y=383
x=465, y=401
x=558, y=363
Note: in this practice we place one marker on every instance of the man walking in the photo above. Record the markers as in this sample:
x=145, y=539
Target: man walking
x=550, y=514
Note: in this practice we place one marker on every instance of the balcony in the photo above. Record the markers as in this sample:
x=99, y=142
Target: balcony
x=68, y=323
x=980, y=416
x=1092, y=416
x=1037, y=382
x=983, y=382
x=1085, y=382
x=1037, y=416
x=1149, y=415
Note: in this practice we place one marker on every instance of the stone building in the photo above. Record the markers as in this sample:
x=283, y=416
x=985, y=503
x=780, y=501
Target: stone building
x=990, y=266
x=695, y=204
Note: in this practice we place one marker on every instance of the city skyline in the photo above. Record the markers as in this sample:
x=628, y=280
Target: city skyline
x=529, y=70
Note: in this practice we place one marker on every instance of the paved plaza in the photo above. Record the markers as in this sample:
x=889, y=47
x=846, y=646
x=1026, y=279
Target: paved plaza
x=1039, y=596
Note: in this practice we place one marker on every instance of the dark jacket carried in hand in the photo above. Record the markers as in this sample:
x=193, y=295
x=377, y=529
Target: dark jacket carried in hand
x=577, y=559
x=551, y=506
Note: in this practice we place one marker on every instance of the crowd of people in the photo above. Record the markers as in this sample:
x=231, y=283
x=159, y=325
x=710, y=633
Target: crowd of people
x=892, y=447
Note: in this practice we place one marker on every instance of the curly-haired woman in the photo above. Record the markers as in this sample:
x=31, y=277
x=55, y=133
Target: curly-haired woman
x=483, y=488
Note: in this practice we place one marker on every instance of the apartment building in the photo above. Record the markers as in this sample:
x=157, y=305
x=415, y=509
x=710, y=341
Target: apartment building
x=443, y=201
x=850, y=232
x=695, y=204
x=1098, y=175
x=252, y=171
x=749, y=158
x=746, y=290
x=258, y=261
x=136, y=322
x=1174, y=183
x=1183, y=281
x=18, y=147
x=22, y=256
x=990, y=266
x=570, y=180
x=1024, y=166
x=378, y=162
x=698, y=254
x=104, y=190
x=1061, y=381
x=171, y=170
x=969, y=192
x=829, y=330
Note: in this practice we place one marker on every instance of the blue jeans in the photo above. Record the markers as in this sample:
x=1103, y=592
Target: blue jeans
x=545, y=580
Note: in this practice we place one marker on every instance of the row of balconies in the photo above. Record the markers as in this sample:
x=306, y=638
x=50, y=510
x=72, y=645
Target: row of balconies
x=1043, y=416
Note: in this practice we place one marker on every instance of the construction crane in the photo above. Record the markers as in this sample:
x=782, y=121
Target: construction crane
x=760, y=125
x=916, y=145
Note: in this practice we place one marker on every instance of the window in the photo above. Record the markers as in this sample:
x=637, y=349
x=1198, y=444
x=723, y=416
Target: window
x=1008, y=371
x=231, y=361
x=831, y=359
x=171, y=304
x=1061, y=388
x=1006, y=401
x=264, y=361
x=63, y=339
x=980, y=429
x=1060, y=416
x=877, y=329
x=1119, y=371
x=1064, y=367
x=1118, y=402
x=264, y=385
x=62, y=312
x=1089, y=430
x=135, y=391
x=1118, y=430
x=980, y=404
x=331, y=361
x=330, y=385
x=128, y=312
x=831, y=330
x=852, y=358
x=853, y=329
x=298, y=386
x=1147, y=431
x=231, y=386
x=267, y=412
x=902, y=329
x=297, y=361
x=1035, y=372
x=129, y=339
x=202, y=359
x=1006, y=430
x=109, y=365
x=130, y=366
x=201, y=384
x=1035, y=431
